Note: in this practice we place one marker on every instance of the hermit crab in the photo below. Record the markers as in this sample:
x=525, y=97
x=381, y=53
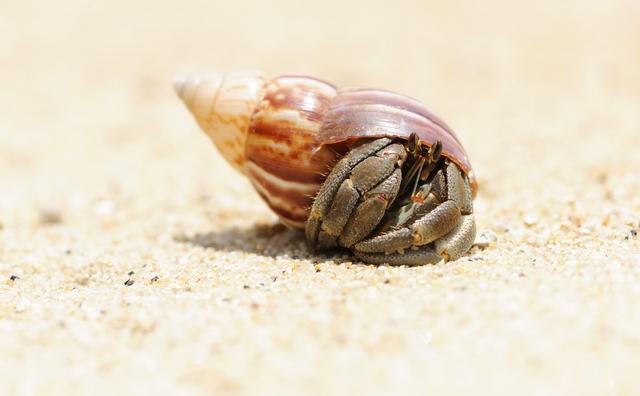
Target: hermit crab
x=364, y=169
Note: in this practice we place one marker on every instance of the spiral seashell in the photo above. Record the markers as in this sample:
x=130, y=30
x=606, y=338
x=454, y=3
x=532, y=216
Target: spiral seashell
x=286, y=132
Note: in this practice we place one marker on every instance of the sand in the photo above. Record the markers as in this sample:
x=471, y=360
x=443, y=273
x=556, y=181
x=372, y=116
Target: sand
x=134, y=260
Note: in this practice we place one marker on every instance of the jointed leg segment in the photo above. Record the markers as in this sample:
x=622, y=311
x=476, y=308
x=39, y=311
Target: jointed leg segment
x=333, y=182
x=447, y=223
x=356, y=195
x=423, y=217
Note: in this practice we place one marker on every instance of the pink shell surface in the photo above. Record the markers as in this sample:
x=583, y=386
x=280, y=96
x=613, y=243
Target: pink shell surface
x=358, y=113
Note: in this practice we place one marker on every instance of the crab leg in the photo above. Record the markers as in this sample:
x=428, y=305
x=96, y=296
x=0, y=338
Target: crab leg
x=458, y=189
x=338, y=214
x=450, y=226
x=426, y=226
x=371, y=210
x=377, y=170
x=459, y=241
x=435, y=224
x=444, y=218
x=411, y=210
x=389, y=242
x=329, y=188
x=424, y=255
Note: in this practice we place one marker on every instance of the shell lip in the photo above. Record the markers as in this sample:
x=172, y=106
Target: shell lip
x=464, y=164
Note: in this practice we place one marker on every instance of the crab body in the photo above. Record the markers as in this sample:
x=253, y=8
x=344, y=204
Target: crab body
x=353, y=167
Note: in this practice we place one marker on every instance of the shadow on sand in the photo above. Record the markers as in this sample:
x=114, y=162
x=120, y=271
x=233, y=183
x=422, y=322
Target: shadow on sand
x=269, y=240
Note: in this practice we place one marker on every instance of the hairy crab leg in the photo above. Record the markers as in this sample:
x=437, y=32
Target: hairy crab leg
x=333, y=223
x=424, y=255
x=371, y=210
x=338, y=174
x=377, y=174
x=459, y=241
x=389, y=242
x=409, y=211
x=370, y=172
x=450, y=228
x=435, y=224
x=377, y=169
x=427, y=226
x=458, y=189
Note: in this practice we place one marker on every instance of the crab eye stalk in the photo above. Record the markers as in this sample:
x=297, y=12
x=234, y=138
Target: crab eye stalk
x=435, y=151
x=413, y=144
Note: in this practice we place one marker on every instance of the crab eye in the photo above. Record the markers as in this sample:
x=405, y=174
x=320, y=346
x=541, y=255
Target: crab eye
x=413, y=143
x=436, y=151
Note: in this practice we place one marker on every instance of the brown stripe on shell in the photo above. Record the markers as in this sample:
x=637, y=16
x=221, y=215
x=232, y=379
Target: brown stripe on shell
x=286, y=204
x=378, y=96
x=300, y=175
x=358, y=113
x=287, y=166
x=285, y=215
x=295, y=192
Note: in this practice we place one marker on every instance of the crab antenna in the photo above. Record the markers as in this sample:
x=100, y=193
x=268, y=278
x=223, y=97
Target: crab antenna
x=414, y=171
x=415, y=184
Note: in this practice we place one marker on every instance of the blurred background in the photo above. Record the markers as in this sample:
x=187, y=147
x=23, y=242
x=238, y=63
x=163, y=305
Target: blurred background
x=90, y=83
x=103, y=172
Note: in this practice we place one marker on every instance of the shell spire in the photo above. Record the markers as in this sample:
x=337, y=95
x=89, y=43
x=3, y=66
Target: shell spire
x=267, y=129
x=223, y=104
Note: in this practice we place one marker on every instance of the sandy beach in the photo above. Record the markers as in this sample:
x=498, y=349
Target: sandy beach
x=134, y=260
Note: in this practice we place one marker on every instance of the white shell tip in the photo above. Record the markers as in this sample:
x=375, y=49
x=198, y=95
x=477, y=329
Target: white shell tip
x=190, y=88
x=180, y=83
